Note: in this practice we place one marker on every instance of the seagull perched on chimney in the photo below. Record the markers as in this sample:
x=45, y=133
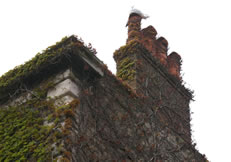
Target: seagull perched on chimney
x=138, y=12
x=133, y=10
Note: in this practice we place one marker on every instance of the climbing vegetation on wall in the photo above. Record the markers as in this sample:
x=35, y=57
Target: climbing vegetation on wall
x=126, y=69
x=41, y=66
x=32, y=131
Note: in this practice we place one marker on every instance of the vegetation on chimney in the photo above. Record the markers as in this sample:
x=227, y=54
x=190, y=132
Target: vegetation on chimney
x=126, y=69
x=135, y=47
x=128, y=49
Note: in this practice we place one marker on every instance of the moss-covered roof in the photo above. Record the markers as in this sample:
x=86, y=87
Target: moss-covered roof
x=43, y=65
x=23, y=132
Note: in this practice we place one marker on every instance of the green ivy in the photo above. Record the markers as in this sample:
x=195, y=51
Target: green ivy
x=23, y=134
x=31, y=65
x=126, y=69
x=128, y=49
x=13, y=79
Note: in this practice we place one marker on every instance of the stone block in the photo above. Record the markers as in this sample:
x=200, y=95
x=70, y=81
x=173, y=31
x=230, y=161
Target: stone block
x=64, y=88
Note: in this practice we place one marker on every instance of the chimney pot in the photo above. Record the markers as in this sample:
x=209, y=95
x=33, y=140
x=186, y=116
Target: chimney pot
x=149, y=32
x=134, y=24
x=162, y=48
x=163, y=42
x=174, y=64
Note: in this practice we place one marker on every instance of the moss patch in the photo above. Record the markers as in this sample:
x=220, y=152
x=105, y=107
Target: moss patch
x=125, y=62
x=126, y=69
x=135, y=47
x=128, y=49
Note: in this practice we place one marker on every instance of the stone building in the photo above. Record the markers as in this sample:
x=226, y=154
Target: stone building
x=65, y=105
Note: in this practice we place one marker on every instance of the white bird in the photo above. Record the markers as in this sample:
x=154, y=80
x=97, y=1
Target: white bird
x=133, y=10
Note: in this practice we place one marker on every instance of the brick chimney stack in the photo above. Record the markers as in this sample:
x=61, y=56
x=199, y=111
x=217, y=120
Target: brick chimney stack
x=144, y=65
x=128, y=58
x=174, y=64
x=134, y=26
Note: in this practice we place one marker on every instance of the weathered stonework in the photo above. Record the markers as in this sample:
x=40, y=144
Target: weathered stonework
x=120, y=126
x=65, y=90
x=88, y=114
x=154, y=85
x=65, y=87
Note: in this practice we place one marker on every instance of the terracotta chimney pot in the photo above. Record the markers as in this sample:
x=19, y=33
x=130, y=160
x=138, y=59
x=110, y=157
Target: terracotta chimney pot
x=149, y=32
x=163, y=43
x=134, y=26
x=174, y=64
x=162, y=48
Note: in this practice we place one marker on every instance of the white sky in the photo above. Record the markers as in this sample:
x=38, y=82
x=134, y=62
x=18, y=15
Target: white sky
x=199, y=30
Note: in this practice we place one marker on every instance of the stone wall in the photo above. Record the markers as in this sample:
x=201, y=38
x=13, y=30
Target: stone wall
x=151, y=80
x=164, y=94
x=65, y=88
x=113, y=123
